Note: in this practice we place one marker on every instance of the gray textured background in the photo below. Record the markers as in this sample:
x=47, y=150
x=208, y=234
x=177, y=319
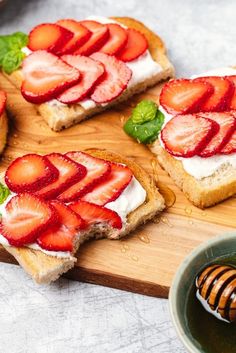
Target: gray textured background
x=74, y=317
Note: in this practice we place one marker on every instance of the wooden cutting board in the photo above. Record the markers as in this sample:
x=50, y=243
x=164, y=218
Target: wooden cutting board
x=144, y=262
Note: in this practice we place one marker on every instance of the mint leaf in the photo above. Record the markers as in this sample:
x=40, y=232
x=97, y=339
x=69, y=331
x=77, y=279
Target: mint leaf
x=4, y=193
x=12, y=61
x=4, y=48
x=144, y=111
x=146, y=132
x=11, y=55
x=18, y=40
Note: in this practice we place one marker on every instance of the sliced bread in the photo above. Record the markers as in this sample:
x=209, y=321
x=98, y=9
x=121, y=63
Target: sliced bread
x=45, y=268
x=59, y=117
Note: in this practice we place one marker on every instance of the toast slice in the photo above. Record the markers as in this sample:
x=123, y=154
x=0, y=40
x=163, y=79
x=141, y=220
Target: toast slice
x=204, y=192
x=59, y=117
x=207, y=191
x=45, y=268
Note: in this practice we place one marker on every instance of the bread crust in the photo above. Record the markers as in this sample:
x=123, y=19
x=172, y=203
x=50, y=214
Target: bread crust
x=3, y=131
x=60, y=117
x=204, y=192
x=45, y=268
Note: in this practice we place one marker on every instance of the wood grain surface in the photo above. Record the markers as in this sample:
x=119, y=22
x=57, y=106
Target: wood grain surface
x=145, y=261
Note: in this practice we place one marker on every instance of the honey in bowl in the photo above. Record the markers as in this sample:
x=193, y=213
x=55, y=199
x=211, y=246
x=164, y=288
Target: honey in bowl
x=210, y=310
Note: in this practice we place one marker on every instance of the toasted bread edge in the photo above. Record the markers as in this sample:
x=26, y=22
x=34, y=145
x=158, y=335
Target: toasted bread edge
x=202, y=193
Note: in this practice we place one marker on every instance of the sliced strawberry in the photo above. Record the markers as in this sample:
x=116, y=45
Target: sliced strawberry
x=3, y=99
x=81, y=35
x=111, y=188
x=63, y=236
x=30, y=173
x=97, y=170
x=227, y=123
x=230, y=147
x=25, y=217
x=70, y=172
x=184, y=96
x=100, y=34
x=94, y=214
x=118, y=75
x=91, y=72
x=136, y=45
x=46, y=76
x=116, y=41
x=232, y=102
x=187, y=135
x=49, y=36
x=223, y=90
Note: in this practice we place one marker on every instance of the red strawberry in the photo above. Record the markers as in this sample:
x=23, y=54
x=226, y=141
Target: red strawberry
x=227, y=124
x=81, y=35
x=49, y=36
x=116, y=41
x=46, y=76
x=69, y=173
x=232, y=102
x=223, y=90
x=25, y=217
x=116, y=80
x=187, y=135
x=97, y=170
x=63, y=236
x=94, y=214
x=184, y=96
x=111, y=188
x=230, y=147
x=30, y=173
x=91, y=72
x=136, y=45
x=3, y=99
x=100, y=34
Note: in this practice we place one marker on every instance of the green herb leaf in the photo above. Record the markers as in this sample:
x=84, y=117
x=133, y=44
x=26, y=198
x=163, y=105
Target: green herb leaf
x=18, y=40
x=146, y=132
x=144, y=111
x=4, y=193
x=12, y=61
x=11, y=55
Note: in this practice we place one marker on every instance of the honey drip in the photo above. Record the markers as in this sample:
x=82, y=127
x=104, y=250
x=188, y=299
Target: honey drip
x=144, y=238
x=166, y=221
x=134, y=258
x=122, y=119
x=164, y=190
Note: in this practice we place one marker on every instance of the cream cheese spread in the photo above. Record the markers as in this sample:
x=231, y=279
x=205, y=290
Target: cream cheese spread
x=131, y=198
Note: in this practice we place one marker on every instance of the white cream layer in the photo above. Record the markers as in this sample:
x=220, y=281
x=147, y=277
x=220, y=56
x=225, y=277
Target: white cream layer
x=131, y=198
x=197, y=166
x=143, y=68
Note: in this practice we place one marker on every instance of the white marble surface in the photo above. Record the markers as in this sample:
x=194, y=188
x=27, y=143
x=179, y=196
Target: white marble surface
x=74, y=317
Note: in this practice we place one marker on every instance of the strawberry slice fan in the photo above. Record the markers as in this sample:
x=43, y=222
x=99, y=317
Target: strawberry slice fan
x=57, y=196
x=72, y=61
x=204, y=116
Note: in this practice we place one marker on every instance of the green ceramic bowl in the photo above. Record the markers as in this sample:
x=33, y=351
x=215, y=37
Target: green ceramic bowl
x=224, y=245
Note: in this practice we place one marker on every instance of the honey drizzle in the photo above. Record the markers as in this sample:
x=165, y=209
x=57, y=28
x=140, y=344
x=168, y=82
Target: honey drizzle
x=164, y=190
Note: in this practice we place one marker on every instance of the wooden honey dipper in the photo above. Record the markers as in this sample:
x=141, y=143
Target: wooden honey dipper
x=216, y=284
